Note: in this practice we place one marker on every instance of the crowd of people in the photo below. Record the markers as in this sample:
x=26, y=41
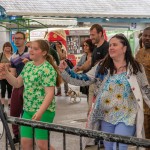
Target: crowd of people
x=117, y=85
x=122, y=88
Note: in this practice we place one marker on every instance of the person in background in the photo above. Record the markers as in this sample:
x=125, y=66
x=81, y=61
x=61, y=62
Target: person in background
x=99, y=52
x=140, y=44
x=83, y=65
x=28, y=44
x=5, y=58
x=62, y=56
x=18, y=61
x=54, y=53
x=123, y=85
x=140, y=41
x=101, y=49
x=143, y=57
x=40, y=75
x=85, y=60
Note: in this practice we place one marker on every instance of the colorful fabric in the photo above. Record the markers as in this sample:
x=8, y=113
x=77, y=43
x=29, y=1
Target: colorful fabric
x=118, y=103
x=16, y=60
x=35, y=78
x=139, y=86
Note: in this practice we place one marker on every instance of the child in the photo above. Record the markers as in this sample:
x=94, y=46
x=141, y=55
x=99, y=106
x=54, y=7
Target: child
x=39, y=78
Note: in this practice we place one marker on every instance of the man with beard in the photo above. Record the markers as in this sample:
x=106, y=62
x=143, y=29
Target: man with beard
x=97, y=37
x=143, y=56
x=100, y=51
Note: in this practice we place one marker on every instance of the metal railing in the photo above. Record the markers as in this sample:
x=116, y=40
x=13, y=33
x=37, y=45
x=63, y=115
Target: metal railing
x=81, y=133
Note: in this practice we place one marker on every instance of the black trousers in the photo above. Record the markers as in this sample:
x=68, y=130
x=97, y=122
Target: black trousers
x=5, y=86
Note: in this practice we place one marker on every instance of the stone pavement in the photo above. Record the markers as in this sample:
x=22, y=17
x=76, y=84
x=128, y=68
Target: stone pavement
x=70, y=114
x=67, y=113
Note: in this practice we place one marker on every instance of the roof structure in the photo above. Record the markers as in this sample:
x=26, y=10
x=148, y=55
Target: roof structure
x=78, y=8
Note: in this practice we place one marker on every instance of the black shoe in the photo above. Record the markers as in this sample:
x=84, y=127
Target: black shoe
x=16, y=140
x=58, y=94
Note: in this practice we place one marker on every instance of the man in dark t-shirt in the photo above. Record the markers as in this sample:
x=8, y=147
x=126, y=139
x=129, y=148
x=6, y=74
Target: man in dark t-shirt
x=99, y=53
x=97, y=37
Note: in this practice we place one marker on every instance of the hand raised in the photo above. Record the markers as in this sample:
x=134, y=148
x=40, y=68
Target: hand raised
x=77, y=69
x=63, y=65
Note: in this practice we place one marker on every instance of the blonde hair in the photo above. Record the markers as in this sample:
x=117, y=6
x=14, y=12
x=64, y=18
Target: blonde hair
x=44, y=46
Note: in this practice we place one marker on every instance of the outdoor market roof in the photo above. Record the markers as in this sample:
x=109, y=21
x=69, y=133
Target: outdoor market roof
x=78, y=8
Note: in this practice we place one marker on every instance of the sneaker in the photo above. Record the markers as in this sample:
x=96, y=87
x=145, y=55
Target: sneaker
x=58, y=94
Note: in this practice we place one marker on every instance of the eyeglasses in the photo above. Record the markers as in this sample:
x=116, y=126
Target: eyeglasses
x=18, y=38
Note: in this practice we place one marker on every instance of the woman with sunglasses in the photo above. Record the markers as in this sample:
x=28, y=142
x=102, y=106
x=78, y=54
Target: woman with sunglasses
x=83, y=66
x=122, y=88
x=85, y=60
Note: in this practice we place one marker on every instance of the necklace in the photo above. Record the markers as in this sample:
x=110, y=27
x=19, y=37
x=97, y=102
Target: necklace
x=121, y=69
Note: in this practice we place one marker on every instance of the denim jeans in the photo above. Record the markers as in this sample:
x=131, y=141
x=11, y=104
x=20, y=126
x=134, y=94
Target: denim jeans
x=120, y=129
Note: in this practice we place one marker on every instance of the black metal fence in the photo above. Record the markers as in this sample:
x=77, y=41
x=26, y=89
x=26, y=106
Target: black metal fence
x=81, y=133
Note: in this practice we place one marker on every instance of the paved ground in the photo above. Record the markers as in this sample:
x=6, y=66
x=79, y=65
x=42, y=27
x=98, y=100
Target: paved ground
x=70, y=114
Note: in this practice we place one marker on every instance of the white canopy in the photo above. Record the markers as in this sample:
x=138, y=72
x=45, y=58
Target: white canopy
x=78, y=8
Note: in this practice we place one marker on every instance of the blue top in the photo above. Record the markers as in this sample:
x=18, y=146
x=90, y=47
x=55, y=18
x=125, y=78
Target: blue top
x=118, y=103
x=115, y=100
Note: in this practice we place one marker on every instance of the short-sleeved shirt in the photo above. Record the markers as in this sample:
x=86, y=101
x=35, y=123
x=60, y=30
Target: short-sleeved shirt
x=16, y=60
x=35, y=79
x=99, y=53
x=118, y=103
